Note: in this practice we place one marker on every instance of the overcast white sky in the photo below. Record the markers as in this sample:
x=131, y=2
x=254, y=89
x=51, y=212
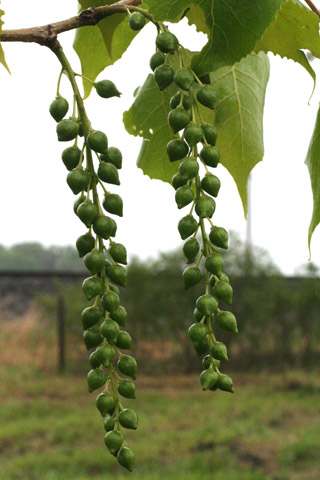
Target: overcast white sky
x=37, y=203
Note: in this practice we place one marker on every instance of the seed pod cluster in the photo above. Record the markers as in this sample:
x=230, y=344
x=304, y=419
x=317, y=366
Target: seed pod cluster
x=195, y=149
x=104, y=322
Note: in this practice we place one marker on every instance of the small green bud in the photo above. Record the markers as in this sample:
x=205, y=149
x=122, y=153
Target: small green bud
x=105, y=354
x=124, y=341
x=92, y=338
x=110, y=301
x=118, y=275
x=178, y=119
x=120, y=316
x=214, y=264
x=157, y=59
x=177, y=149
x=210, y=156
x=91, y=287
x=210, y=133
x=225, y=383
x=85, y=243
x=191, y=249
x=205, y=207
x=163, y=76
x=90, y=316
x=184, y=78
x=136, y=21
x=71, y=157
x=105, y=403
x=67, y=130
x=206, y=304
x=227, y=321
x=78, y=180
x=128, y=366
x=223, y=291
x=219, y=351
x=125, y=458
x=175, y=101
x=104, y=226
x=207, y=97
x=98, y=141
x=189, y=167
x=193, y=134
x=208, y=378
x=94, y=362
x=108, y=173
x=87, y=212
x=211, y=184
x=110, y=330
x=191, y=277
x=184, y=195
x=96, y=378
x=126, y=388
x=59, y=108
x=187, y=226
x=118, y=252
x=128, y=418
x=106, y=89
x=113, y=441
x=219, y=237
x=178, y=180
x=197, y=332
x=202, y=347
x=113, y=203
x=94, y=261
x=113, y=156
x=109, y=423
x=166, y=42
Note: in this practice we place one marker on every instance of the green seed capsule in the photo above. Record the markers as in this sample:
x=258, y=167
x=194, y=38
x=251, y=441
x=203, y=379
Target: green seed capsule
x=202, y=347
x=193, y=134
x=124, y=341
x=96, y=378
x=184, y=195
x=224, y=278
x=118, y=275
x=128, y=366
x=109, y=423
x=126, y=388
x=108, y=173
x=59, y=108
x=178, y=119
x=191, y=277
x=189, y=168
x=210, y=133
x=166, y=42
x=104, y=226
x=227, y=321
x=163, y=76
x=105, y=354
x=214, y=264
x=118, y=252
x=114, y=289
x=87, y=212
x=210, y=156
x=92, y=338
x=198, y=316
x=177, y=149
x=78, y=180
x=113, y=440
x=223, y=291
x=91, y=287
x=94, y=261
x=85, y=243
x=191, y=249
x=90, y=316
x=113, y=203
x=208, y=361
x=110, y=301
x=219, y=351
x=120, y=316
x=197, y=332
x=94, y=362
x=225, y=383
x=211, y=184
x=113, y=156
x=206, y=304
x=67, y=130
x=110, y=330
x=205, y=207
x=219, y=237
x=71, y=157
x=105, y=403
x=207, y=97
x=128, y=419
x=78, y=202
x=156, y=60
x=98, y=141
x=208, y=378
x=175, y=101
x=187, y=226
x=106, y=89
x=184, y=78
x=136, y=21
x=178, y=180
x=125, y=458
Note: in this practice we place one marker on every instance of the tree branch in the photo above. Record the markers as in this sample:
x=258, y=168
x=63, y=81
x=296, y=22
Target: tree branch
x=313, y=7
x=47, y=34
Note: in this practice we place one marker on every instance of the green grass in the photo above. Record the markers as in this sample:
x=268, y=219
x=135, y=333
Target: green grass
x=269, y=429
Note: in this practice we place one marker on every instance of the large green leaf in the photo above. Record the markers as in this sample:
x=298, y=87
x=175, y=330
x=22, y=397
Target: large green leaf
x=234, y=29
x=313, y=163
x=239, y=116
x=101, y=45
x=167, y=10
x=2, y=57
x=294, y=28
x=148, y=118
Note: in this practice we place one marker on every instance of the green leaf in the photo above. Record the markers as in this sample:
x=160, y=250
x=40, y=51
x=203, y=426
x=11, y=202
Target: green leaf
x=313, y=164
x=294, y=28
x=148, y=118
x=241, y=91
x=167, y=10
x=234, y=29
x=101, y=45
x=2, y=57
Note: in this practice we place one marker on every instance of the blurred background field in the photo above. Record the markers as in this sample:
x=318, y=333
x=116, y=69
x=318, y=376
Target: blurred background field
x=268, y=430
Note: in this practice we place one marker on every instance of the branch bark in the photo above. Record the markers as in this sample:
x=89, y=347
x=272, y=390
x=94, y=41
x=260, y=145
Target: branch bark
x=313, y=7
x=47, y=34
